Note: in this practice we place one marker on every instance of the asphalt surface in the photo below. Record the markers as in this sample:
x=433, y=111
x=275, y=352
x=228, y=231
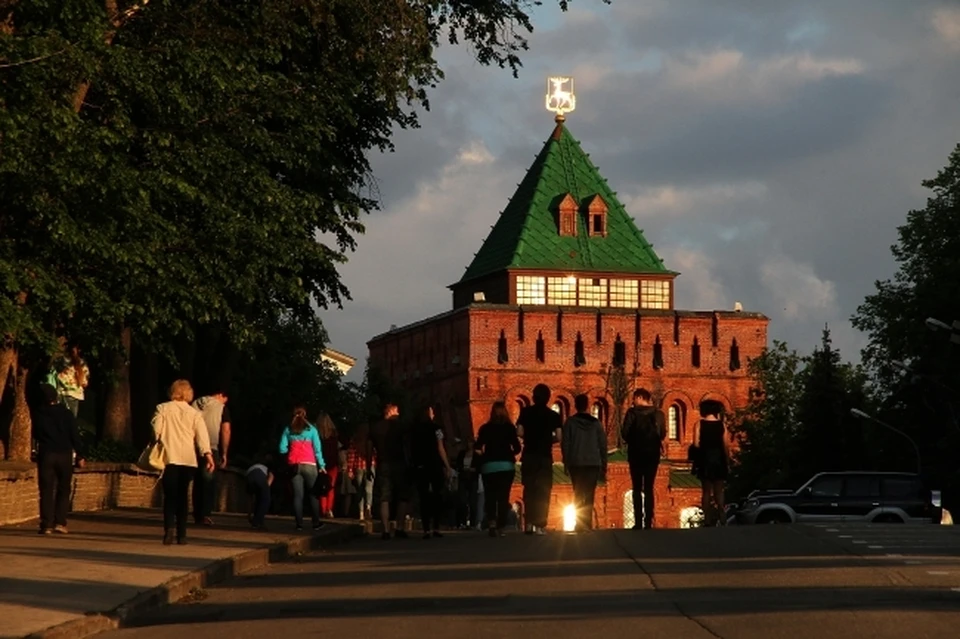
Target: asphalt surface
x=735, y=582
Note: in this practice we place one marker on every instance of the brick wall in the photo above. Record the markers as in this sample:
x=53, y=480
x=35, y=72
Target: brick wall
x=660, y=348
x=103, y=486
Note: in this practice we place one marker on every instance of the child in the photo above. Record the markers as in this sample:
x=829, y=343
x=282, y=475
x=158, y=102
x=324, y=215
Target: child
x=259, y=479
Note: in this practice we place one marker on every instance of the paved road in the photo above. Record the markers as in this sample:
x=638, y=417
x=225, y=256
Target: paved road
x=736, y=582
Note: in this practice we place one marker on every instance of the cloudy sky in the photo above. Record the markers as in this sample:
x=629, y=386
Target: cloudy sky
x=768, y=150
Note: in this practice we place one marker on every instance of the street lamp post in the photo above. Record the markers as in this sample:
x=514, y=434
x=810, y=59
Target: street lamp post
x=859, y=414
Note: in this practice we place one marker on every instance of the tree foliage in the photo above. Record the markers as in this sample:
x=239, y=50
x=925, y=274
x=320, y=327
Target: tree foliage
x=170, y=165
x=922, y=402
x=798, y=421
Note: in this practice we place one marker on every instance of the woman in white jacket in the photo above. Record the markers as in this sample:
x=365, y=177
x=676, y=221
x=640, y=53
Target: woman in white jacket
x=181, y=429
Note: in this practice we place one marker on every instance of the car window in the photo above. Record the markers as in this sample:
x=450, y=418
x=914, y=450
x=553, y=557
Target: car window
x=862, y=487
x=827, y=487
x=901, y=488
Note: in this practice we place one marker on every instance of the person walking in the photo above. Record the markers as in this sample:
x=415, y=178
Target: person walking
x=389, y=438
x=300, y=442
x=55, y=429
x=330, y=443
x=181, y=429
x=259, y=478
x=216, y=416
x=72, y=378
x=584, y=447
x=644, y=431
x=712, y=461
x=431, y=467
x=498, y=445
x=539, y=427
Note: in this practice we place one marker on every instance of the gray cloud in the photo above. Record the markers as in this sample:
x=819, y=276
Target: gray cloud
x=769, y=151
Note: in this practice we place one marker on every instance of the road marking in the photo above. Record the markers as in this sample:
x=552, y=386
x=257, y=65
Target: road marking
x=875, y=547
x=955, y=589
x=832, y=530
x=859, y=541
x=890, y=554
x=913, y=562
x=845, y=536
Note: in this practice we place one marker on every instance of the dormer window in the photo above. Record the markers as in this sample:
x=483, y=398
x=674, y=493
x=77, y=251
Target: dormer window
x=597, y=216
x=567, y=216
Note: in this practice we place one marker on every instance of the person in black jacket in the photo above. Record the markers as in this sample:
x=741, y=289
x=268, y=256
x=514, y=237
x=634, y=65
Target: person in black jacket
x=539, y=427
x=584, y=447
x=432, y=468
x=498, y=444
x=55, y=429
x=644, y=429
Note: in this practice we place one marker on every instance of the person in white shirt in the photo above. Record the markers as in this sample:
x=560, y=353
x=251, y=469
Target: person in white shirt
x=183, y=433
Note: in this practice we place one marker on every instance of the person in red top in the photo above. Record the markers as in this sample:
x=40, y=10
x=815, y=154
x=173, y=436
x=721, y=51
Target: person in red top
x=330, y=445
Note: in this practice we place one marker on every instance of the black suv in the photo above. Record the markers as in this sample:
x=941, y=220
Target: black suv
x=846, y=496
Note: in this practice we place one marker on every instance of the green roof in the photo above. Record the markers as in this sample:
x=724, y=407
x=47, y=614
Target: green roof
x=526, y=235
x=683, y=479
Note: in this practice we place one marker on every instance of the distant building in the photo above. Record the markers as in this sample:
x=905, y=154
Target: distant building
x=342, y=361
x=567, y=291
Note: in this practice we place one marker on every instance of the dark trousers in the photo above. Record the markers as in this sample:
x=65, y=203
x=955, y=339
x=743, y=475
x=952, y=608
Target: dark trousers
x=204, y=490
x=537, y=476
x=54, y=474
x=430, y=483
x=643, y=476
x=259, y=490
x=467, y=499
x=584, y=480
x=496, y=497
x=176, y=487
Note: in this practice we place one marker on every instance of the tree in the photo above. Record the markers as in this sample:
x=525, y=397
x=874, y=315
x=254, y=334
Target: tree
x=173, y=163
x=766, y=429
x=926, y=284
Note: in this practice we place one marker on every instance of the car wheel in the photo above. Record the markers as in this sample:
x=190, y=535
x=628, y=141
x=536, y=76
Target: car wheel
x=887, y=519
x=773, y=517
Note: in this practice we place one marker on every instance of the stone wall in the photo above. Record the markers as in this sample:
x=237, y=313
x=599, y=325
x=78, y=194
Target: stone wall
x=100, y=486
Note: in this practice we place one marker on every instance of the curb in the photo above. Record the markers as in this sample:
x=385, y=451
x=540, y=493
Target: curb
x=177, y=588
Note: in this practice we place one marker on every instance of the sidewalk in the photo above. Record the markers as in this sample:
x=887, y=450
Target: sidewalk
x=112, y=566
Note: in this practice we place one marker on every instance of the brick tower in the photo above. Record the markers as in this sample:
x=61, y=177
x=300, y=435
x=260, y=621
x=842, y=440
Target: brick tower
x=565, y=290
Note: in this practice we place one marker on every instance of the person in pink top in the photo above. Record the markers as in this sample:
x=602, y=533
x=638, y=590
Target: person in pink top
x=300, y=442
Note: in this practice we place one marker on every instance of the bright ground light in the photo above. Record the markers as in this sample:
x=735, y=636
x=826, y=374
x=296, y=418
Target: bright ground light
x=569, y=518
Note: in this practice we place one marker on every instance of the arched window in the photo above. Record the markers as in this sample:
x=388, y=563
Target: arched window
x=599, y=411
x=674, y=422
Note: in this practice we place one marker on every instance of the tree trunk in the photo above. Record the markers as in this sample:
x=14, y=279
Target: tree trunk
x=8, y=362
x=117, y=420
x=21, y=426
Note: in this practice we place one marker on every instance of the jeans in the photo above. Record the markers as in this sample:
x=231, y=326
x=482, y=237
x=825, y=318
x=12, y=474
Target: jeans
x=537, y=476
x=643, y=476
x=259, y=489
x=54, y=474
x=304, y=477
x=204, y=490
x=584, y=480
x=176, y=486
x=496, y=489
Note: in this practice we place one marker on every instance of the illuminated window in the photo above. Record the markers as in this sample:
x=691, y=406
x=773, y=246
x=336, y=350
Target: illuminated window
x=531, y=290
x=593, y=292
x=562, y=291
x=623, y=294
x=674, y=419
x=655, y=294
